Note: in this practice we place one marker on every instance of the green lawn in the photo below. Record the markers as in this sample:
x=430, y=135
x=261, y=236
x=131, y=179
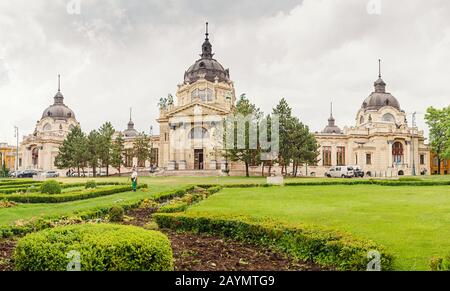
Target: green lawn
x=412, y=222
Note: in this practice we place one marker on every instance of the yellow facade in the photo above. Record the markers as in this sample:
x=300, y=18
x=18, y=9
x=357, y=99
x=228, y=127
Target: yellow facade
x=7, y=156
x=445, y=165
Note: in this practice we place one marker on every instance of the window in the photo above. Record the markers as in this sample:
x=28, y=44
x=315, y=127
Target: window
x=435, y=161
x=204, y=95
x=361, y=120
x=326, y=156
x=128, y=158
x=368, y=159
x=422, y=159
x=340, y=156
x=198, y=133
x=388, y=118
x=397, y=153
x=47, y=127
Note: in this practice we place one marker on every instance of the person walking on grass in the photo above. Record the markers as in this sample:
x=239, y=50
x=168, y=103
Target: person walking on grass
x=134, y=177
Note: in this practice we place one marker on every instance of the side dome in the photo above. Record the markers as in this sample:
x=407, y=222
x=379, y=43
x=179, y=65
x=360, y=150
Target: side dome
x=207, y=67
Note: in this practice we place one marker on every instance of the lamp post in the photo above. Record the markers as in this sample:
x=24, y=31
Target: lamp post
x=16, y=135
x=412, y=141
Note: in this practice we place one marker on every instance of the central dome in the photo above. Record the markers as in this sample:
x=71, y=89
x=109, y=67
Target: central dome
x=380, y=98
x=58, y=111
x=207, y=67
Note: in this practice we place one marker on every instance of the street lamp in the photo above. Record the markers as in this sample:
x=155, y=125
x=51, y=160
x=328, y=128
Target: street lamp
x=412, y=141
x=16, y=135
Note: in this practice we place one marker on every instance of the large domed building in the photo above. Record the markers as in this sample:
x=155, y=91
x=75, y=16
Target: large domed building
x=381, y=142
x=187, y=124
x=39, y=150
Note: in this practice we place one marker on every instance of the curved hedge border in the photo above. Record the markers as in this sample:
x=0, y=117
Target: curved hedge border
x=327, y=248
x=33, y=188
x=66, y=197
x=102, y=247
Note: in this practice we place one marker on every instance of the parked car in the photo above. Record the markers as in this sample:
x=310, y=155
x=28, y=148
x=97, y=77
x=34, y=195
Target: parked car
x=340, y=172
x=14, y=174
x=52, y=174
x=27, y=174
x=358, y=171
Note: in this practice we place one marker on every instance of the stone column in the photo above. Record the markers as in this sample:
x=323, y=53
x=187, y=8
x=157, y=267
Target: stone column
x=390, y=161
x=407, y=154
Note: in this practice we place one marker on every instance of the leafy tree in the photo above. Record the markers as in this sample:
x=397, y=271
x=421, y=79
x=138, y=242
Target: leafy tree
x=438, y=120
x=106, y=133
x=141, y=148
x=94, y=150
x=4, y=172
x=73, y=152
x=284, y=113
x=246, y=153
x=117, y=152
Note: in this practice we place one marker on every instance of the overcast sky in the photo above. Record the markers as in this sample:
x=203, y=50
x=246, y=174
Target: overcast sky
x=118, y=54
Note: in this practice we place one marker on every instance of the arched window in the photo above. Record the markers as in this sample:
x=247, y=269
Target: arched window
x=47, y=127
x=198, y=133
x=397, y=153
x=35, y=156
x=361, y=120
x=388, y=118
x=204, y=95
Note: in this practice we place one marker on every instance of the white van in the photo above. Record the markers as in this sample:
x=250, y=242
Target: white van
x=340, y=172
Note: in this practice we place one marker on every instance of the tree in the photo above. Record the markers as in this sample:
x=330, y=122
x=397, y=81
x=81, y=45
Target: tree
x=106, y=133
x=73, y=152
x=94, y=150
x=4, y=171
x=304, y=149
x=247, y=152
x=141, y=148
x=117, y=152
x=284, y=113
x=438, y=121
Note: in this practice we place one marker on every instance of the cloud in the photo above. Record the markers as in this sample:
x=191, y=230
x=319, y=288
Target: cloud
x=120, y=54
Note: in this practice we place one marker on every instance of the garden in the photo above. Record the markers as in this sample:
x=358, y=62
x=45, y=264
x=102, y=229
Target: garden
x=224, y=223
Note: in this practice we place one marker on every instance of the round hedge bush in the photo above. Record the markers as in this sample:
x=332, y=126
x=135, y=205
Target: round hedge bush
x=51, y=187
x=102, y=247
x=91, y=184
x=116, y=214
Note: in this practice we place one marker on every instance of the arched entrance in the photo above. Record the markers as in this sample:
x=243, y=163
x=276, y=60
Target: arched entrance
x=35, y=157
x=397, y=153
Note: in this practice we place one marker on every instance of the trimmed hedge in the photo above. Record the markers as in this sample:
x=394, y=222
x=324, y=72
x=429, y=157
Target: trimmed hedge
x=19, y=182
x=51, y=187
x=328, y=248
x=102, y=247
x=178, y=206
x=65, y=197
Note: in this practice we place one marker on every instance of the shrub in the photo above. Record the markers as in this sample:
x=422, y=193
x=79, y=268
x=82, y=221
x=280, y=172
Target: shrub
x=328, y=248
x=116, y=213
x=178, y=206
x=51, y=187
x=91, y=184
x=409, y=179
x=102, y=247
x=7, y=204
x=440, y=264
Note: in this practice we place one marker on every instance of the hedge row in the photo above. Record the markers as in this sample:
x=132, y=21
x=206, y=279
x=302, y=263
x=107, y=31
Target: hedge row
x=182, y=204
x=327, y=248
x=95, y=247
x=65, y=197
x=35, y=187
x=18, y=182
x=36, y=224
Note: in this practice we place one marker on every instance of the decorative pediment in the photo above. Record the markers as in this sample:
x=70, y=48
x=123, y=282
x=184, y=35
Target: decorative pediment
x=197, y=108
